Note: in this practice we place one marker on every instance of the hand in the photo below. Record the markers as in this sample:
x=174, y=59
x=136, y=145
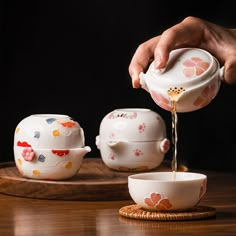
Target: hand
x=191, y=32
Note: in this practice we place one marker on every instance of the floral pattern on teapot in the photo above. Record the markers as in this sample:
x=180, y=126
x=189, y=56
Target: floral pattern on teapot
x=194, y=66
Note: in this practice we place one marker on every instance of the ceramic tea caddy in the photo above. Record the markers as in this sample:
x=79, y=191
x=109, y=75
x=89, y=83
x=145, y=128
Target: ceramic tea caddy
x=191, y=79
x=49, y=147
x=132, y=139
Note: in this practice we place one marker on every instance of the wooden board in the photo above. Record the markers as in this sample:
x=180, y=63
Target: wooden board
x=93, y=182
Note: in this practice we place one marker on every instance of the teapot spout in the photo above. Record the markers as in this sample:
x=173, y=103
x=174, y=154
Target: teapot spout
x=81, y=152
x=116, y=144
x=86, y=149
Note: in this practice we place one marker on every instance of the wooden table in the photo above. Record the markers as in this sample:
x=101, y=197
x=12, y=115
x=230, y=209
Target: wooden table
x=21, y=216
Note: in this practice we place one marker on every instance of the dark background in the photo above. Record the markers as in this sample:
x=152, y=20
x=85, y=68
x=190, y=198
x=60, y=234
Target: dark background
x=72, y=57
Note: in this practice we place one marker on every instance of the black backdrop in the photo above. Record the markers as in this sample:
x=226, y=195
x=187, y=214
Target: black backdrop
x=72, y=57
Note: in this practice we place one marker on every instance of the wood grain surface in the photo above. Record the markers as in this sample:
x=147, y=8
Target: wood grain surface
x=94, y=181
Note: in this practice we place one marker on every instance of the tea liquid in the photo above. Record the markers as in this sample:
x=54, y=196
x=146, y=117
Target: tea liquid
x=174, y=137
x=174, y=94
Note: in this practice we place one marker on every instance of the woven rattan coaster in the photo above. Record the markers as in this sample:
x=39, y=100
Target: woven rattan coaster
x=196, y=213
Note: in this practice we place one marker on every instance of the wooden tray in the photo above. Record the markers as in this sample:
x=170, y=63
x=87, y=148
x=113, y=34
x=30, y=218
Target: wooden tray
x=93, y=182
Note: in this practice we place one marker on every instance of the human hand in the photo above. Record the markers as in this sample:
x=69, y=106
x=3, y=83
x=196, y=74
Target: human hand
x=191, y=32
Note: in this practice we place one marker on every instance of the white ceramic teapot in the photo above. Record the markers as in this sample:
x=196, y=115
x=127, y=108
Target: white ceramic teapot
x=191, y=79
x=49, y=146
x=132, y=139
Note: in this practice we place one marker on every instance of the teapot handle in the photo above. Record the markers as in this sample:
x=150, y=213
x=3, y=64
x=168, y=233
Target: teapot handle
x=222, y=72
x=143, y=81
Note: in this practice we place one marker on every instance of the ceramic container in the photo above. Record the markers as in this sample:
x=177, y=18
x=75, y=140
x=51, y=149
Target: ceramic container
x=191, y=78
x=167, y=191
x=49, y=146
x=132, y=139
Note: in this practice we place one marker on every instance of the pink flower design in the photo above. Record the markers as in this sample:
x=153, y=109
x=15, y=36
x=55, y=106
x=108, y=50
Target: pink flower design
x=165, y=145
x=194, y=67
x=160, y=100
x=111, y=156
x=141, y=127
x=138, y=152
x=158, y=201
x=206, y=96
x=28, y=154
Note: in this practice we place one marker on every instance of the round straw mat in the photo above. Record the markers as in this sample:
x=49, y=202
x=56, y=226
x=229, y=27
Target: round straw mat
x=195, y=213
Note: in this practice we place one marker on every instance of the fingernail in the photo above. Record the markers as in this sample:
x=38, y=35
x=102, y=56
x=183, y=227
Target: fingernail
x=135, y=83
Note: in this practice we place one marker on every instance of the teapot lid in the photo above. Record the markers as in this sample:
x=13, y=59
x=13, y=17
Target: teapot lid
x=185, y=67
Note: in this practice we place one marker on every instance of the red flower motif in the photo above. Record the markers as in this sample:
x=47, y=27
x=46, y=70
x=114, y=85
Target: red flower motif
x=60, y=152
x=158, y=201
x=23, y=144
x=67, y=124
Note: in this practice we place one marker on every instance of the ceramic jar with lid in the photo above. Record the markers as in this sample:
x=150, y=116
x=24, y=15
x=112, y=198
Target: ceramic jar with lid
x=49, y=146
x=132, y=139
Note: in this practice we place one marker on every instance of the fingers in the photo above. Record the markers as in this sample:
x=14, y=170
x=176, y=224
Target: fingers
x=142, y=58
x=187, y=33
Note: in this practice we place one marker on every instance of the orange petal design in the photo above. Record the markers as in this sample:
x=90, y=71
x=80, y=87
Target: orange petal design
x=158, y=201
x=205, y=92
x=189, y=63
x=68, y=165
x=165, y=202
x=155, y=197
x=195, y=66
x=189, y=71
x=204, y=65
x=198, y=101
x=19, y=162
x=36, y=172
x=68, y=124
x=149, y=202
x=56, y=132
x=199, y=70
x=161, y=100
x=197, y=59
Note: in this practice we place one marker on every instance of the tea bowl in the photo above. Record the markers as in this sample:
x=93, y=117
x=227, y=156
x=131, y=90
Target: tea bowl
x=167, y=191
x=49, y=147
x=132, y=139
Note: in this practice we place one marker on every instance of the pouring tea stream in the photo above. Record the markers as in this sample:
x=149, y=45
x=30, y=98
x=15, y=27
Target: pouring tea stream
x=190, y=81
